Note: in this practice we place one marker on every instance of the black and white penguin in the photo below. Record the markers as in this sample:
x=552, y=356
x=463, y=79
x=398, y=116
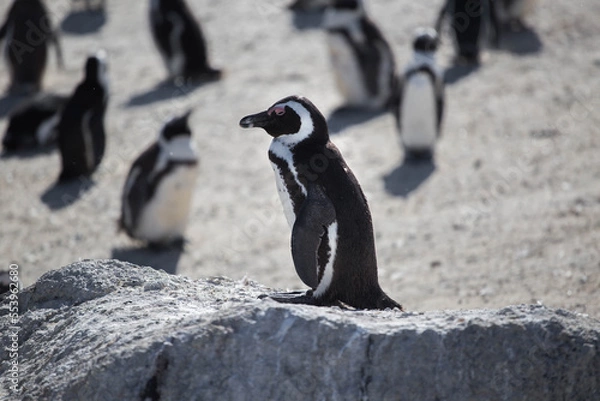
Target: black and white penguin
x=421, y=97
x=332, y=242
x=514, y=12
x=27, y=32
x=473, y=22
x=81, y=136
x=180, y=41
x=33, y=123
x=363, y=63
x=158, y=190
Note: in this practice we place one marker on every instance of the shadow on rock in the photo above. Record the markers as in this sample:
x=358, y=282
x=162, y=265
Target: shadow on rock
x=163, y=91
x=521, y=42
x=63, y=194
x=157, y=258
x=83, y=22
x=408, y=176
x=345, y=117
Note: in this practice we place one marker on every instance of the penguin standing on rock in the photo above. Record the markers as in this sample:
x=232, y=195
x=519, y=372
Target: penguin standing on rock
x=27, y=32
x=421, y=98
x=363, y=63
x=180, y=41
x=159, y=187
x=33, y=123
x=81, y=136
x=332, y=243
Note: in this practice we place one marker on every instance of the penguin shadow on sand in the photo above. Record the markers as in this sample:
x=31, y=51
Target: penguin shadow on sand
x=167, y=89
x=63, y=194
x=521, y=40
x=457, y=71
x=83, y=22
x=344, y=117
x=158, y=258
x=407, y=177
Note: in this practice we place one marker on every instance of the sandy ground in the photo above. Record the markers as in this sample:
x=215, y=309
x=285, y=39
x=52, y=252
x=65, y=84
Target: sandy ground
x=509, y=212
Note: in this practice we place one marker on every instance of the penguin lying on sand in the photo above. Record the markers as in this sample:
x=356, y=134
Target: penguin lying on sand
x=33, y=123
x=158, y=191
x=332, y=243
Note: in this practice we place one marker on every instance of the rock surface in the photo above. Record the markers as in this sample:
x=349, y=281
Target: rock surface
x=108, y=330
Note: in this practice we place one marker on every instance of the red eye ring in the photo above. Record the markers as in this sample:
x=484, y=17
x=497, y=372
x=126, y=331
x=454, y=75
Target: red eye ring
x=279, y=110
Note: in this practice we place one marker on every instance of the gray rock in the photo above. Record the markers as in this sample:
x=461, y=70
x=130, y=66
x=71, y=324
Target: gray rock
x=108, y=330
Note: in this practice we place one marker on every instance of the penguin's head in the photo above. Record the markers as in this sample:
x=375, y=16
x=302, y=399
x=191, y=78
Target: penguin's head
x=96, y=69
x=290, y=120
x=425, y=40
x=342, y=13
x=175, y=139
x=177, y=127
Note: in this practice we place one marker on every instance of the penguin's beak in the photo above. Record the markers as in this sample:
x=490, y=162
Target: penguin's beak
x=255, y=120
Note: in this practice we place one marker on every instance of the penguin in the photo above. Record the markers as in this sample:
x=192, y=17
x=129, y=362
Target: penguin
x=421, y=98
x=362, y=60
x=180, y=41
x=81, y=136
x=332, y=243
x=513, y=12
x=33, y=123
x=472, y=22
x=158, y=190
x=27, y=32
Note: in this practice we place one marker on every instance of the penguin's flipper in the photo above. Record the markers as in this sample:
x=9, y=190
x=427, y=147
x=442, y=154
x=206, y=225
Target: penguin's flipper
x=315, y=216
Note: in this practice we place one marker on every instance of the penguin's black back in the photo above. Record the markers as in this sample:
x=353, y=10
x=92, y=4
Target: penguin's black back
x=88, y=102
x=355, y=270
x=30, y=28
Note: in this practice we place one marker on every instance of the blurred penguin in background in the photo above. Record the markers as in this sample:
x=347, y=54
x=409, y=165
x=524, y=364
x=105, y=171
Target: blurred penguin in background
x=362, y=60
x=473, y=22
x=92, y=5
x=81, y=136
x=180, y=41
x=33, y=123
x=27, y=32
x=158, y=190
x=420, y=105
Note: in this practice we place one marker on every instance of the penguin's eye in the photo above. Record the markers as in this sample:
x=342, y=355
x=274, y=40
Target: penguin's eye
x=277, y=110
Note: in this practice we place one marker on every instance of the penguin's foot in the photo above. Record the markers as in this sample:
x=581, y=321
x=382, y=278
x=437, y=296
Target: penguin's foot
x=294, y=297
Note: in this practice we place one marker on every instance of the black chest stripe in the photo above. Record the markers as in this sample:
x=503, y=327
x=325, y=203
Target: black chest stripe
x=297, y=197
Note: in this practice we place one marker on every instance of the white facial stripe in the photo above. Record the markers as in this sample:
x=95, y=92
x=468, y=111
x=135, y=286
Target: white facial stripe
x=328, y=273
x=180, y=148
x=306, y=125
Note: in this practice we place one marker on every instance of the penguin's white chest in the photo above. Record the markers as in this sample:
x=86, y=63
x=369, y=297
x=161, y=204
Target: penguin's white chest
x=165, y=216
x=347, y=71
x=419, y=113
x=284, y=196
